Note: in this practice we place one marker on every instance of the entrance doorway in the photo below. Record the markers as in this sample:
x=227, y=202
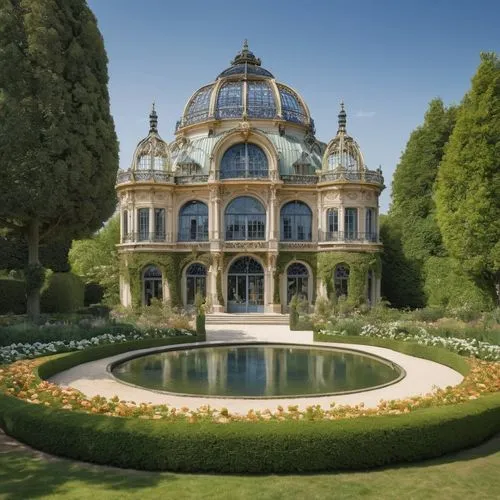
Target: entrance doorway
x=245, y=286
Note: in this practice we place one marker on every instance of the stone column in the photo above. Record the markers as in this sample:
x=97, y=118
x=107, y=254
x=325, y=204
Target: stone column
x=273, y=202
x=270, y=284
x=214, y=271
x=151, y=223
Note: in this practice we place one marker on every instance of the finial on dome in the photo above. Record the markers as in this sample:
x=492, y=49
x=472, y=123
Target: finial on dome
x=153, y=120
x=342, y=118
x=245, y=56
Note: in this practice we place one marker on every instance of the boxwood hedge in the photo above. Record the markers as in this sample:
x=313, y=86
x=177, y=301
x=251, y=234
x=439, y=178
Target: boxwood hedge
x=261, y=447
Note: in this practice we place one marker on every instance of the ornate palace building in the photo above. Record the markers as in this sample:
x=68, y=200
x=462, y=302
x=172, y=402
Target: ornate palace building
x=246, y=206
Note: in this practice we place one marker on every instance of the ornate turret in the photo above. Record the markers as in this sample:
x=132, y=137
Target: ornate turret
x=152, y=153
x=343, y=152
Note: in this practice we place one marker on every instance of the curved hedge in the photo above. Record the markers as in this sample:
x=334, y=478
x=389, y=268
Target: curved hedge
x=262, y=447
x=437, y=354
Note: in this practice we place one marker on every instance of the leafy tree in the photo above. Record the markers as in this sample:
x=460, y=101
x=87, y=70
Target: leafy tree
x=58, y=147
x=412, y=187
x=96, y=259
x=401, y=278
x=468, y=184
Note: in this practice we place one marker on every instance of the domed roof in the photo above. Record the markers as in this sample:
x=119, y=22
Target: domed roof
x=246, y=90
x=343, y=152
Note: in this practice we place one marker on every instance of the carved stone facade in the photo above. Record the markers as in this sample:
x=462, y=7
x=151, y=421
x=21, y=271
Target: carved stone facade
x=249, y=186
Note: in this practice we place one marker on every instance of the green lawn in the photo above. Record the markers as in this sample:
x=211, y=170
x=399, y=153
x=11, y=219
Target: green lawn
x=473, y=474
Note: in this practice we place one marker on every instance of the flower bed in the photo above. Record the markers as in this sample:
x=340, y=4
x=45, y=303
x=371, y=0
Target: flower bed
x=159, y=437
x=16, y=351
x=397, y=331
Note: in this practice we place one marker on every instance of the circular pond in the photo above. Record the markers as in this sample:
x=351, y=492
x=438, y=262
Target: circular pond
x=258, y=371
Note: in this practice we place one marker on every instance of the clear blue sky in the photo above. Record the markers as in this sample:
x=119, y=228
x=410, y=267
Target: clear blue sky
x=385, y=59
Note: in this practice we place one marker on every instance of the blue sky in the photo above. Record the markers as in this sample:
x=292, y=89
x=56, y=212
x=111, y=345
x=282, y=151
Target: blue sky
x=385, y=59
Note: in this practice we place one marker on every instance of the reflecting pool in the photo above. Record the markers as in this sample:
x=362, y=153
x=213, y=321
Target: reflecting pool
x=256, y=371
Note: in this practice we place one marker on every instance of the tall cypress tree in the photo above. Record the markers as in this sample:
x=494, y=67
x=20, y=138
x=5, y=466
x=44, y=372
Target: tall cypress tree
x=412, y=188
x=468, y=184
x=58, y=147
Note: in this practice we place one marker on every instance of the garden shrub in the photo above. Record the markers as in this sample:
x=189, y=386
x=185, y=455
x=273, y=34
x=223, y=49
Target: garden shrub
x=12, y=296
x=63, y=292
x=94, y=293
x=428, y=314
x=448, y=286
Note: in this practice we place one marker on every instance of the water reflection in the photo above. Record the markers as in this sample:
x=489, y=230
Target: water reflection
x=257, y=370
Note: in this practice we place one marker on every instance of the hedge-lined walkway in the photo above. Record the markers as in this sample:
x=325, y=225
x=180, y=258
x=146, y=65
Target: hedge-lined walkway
x=422, y=375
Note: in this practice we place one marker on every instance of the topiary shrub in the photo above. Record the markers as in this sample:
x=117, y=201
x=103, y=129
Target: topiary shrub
x=200, y=314
x=12, y=296
x=62, y=293
x=94, y=293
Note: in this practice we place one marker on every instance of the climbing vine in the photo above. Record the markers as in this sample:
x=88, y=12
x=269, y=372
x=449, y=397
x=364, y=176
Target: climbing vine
x=170, y=264
x=359, y=264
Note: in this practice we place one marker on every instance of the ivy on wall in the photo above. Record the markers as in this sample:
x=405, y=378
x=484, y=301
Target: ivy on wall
x=359, y=264
x=170, y=264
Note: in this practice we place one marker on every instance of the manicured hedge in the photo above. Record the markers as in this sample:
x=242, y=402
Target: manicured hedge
x=63, y=293
x=12, y=296
x=437, y=354
x=67, y=360
x=252, y=447
x=262, y=447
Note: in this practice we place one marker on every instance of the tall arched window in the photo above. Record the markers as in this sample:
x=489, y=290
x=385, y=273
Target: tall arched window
x=341, y=280
x=370, y=225
x=244, y=160
x=297, y=282
x=193, y=221
x=332, y=224
x=245, y=219
x=296, y=222
x=196, y=282
x=152, y=284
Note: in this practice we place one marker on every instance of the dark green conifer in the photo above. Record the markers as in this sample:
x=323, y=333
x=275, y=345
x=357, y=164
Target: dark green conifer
x=58, y=147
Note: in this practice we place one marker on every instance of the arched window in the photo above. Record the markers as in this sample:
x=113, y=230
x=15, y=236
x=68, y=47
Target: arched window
x=297, y=282
x=193, y=221
x=296, y=222
x=332, y=224
x=152, y=284
x=244, y=160
x=245, y=219
x=341, y=280
x=370, y=225
x=196, y=282
x=125, y=225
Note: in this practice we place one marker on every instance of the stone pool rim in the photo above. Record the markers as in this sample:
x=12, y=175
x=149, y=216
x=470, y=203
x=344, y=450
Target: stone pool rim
x=135, y=355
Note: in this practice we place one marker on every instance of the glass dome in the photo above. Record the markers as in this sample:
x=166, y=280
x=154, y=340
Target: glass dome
x=246, y=90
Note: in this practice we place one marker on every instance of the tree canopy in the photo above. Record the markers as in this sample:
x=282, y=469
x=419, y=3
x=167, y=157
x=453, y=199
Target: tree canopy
x=412, y=187
x=58, y=147
x=468, y=184
x=96, y=259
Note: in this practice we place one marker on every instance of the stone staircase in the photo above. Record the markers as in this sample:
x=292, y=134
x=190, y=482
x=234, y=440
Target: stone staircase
x=247, y=319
